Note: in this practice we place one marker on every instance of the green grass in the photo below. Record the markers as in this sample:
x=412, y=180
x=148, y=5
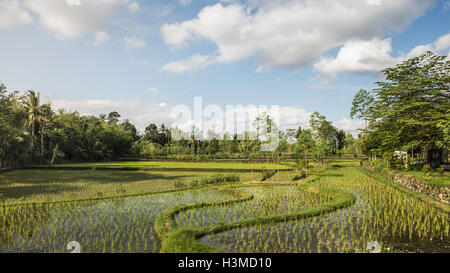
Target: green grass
x=177, y=165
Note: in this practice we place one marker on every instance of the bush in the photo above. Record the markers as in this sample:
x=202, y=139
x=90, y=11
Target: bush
x=298, y=176
x=267, y=173
x=440, y=171
x=179, y=185
x=426, y=168
x=216, y=179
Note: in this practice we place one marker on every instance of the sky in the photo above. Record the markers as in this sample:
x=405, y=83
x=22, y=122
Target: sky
x=146, y=58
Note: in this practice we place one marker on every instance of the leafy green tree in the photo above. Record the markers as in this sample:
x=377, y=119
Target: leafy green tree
x=362, y=106
x=325, y=135
x=340, y=139
x=410, y=106
x=304, y=146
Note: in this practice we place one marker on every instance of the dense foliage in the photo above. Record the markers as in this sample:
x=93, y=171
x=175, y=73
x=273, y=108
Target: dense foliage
x=409, y=111
x=32, y=133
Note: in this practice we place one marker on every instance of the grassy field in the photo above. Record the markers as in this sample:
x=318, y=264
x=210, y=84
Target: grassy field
x=177, y=165
x=336, y=209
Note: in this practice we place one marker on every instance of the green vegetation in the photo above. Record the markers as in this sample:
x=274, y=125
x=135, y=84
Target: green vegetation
x=117, y=225
x=176, y=165
x=407, y=112
x=230, y=193
x=381, y=213
x=233, y=211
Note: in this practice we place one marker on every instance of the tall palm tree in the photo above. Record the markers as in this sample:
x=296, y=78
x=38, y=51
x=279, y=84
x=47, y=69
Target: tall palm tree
x=45, y=111
x=32, y=102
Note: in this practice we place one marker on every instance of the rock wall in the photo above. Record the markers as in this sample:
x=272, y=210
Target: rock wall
x=442, y=194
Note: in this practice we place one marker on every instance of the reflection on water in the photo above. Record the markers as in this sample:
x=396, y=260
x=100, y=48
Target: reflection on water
x=116, y=225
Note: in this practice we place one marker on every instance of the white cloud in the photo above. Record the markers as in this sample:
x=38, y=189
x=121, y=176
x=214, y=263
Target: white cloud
x=71, y=21
x=370, y=57
x=349, y=126
x=134, y=43
x=153, y=90
x=142, y=114
x=442, y=43
x=291, y=33
x=139, y=113
x=190, y=65
x=367, y=57
x=101, y=37
x=185, y=2
x=12, y=13
x=292, y=117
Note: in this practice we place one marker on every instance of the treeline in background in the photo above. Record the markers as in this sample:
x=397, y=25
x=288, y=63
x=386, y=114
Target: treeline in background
x=33, y=133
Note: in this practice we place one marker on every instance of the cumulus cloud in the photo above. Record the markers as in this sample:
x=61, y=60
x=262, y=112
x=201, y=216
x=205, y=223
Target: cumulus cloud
x=12, y=13
x=370, y=57
x=101, y=37
x=190, y=65
x=71, y=21
x=349, y=126
x=439, y=46
x=141, y=114
x=290, y=33
x=134, y=43
x=367, y=57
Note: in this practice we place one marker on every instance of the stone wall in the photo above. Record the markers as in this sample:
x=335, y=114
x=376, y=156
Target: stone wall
x=442, y=194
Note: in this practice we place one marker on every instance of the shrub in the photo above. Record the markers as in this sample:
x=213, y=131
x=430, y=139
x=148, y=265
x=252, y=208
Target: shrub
x=179, y=185
x=426, y=168
x=216, y=179
x=298, y=176
x=267, y=173
x=440, y=170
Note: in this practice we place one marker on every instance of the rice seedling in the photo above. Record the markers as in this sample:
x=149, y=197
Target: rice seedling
x=117, y=225
x=399, y=222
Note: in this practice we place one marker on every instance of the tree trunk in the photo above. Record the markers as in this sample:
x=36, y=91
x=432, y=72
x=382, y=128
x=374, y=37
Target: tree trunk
x=54, y=154
x=306, y=164
x=32, y=133
x=42, y=146
x=406, y=160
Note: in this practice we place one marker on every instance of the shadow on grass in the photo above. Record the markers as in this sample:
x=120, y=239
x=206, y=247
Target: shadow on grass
x=17, y=192
x=73, y=176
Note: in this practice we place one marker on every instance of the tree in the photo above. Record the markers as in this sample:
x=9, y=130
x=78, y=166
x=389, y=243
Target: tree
x=32, y=102
x=113, y=117
x=362, y=105
x=340, y=139
x=304, y=146
x=410, y=106
x=14, y=148
x=324, y=133
x=152, y=133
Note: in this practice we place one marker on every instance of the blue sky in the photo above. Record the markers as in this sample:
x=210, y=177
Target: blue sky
x=141, y=58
